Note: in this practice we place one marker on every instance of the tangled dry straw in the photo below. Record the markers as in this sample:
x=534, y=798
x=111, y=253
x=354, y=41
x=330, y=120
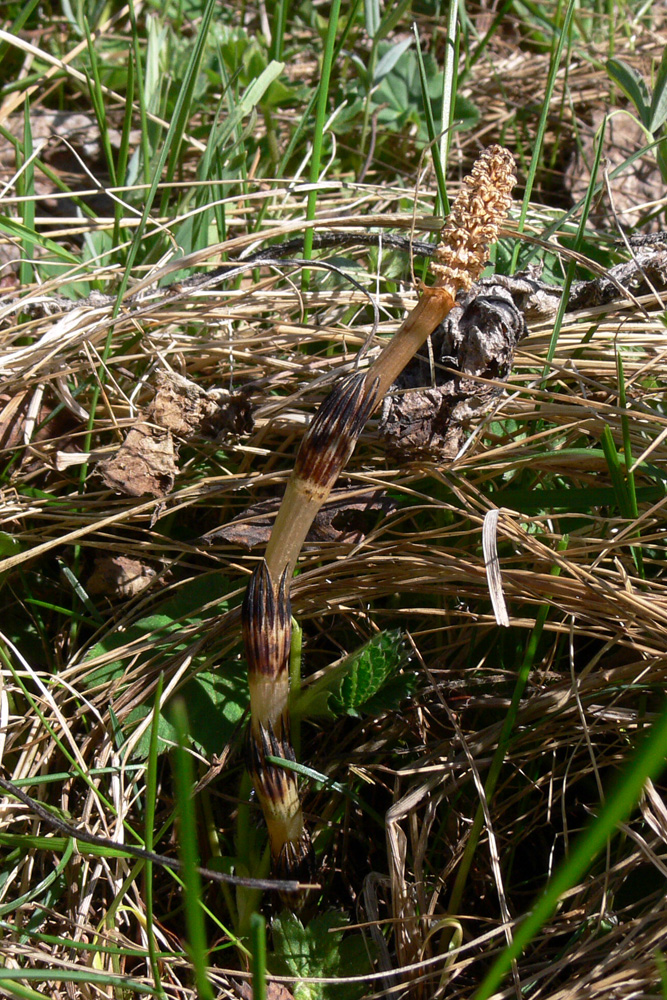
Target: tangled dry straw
x=574, y=727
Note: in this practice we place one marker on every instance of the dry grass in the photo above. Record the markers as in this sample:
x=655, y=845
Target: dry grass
x=597, y=675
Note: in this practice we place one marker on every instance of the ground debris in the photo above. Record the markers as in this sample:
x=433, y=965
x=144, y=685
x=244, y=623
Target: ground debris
x=436, y=397
x=146, y=462
x=343, y=519
x=119, y=577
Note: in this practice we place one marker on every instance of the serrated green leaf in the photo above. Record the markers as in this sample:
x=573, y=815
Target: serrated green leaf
x=368, y=669
x=349, y=685
x=633, y=86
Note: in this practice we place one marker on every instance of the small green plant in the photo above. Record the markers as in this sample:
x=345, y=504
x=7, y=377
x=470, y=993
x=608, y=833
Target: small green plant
x=368, y=680
x=651, y=106
x=319, y=950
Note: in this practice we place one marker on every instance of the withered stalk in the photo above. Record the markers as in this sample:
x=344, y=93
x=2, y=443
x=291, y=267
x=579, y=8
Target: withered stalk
x=471, y=228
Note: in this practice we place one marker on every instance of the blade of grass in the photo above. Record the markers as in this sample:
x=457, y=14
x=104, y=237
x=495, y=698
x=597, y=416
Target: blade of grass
x=141, y=96
x=258, y=951
x=296, y=647
x=278, y=29
x=615, y=471
x=187, y=841
x=308, y=772
x=34, y=893
x=554, y=66
x=15, y=29
x=441, y=202
x=99, y=108
x=571, y=267
x=449, y=87
x=151, y=799
x=87, y=976
x=27, y=189
x=124, y=150
x=318, y=135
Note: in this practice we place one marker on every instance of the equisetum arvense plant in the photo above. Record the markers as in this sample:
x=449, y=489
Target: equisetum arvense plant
x=472, y=226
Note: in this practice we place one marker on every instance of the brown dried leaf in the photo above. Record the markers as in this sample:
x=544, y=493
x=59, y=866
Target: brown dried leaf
x=428, y=415
x=340, y=520
x=274, y=991
x=119, y=576
x=48, y=423
x=146, y=460
x=145, y=463
x=185, y=409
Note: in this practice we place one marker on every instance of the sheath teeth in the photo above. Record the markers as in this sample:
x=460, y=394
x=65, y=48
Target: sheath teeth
x=333, y=434
x=267, y=624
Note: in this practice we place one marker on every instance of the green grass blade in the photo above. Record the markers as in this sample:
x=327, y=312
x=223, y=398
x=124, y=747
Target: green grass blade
x=124, y=150
x=536, y=158
x=571, y=267
x=23, y=992
x=192, y=888
x=616, y=472
x=278, y=29
x=151, y=800
x=99, y=107
x=27, y=189
x=442, y=202
x=449, y=88
x=318, y=134
x=16, y=27
x=258, y=951
x=135, y=56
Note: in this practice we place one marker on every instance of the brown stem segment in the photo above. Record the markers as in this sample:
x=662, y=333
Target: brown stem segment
x=267, y=629
x=472, y=226
x=324, y=451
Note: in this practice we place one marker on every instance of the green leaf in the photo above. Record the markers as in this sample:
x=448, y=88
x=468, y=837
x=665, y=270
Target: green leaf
x=399, y=100
x=216, y=700
x=390, y=58
x=368, y=669
x=357, y=681
x=371, y=17
x=658, y=112
x=317, y=951
x=258, y=87
x=15, y=229
x=392, y=16
x=633, y=86
x=661, y=158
